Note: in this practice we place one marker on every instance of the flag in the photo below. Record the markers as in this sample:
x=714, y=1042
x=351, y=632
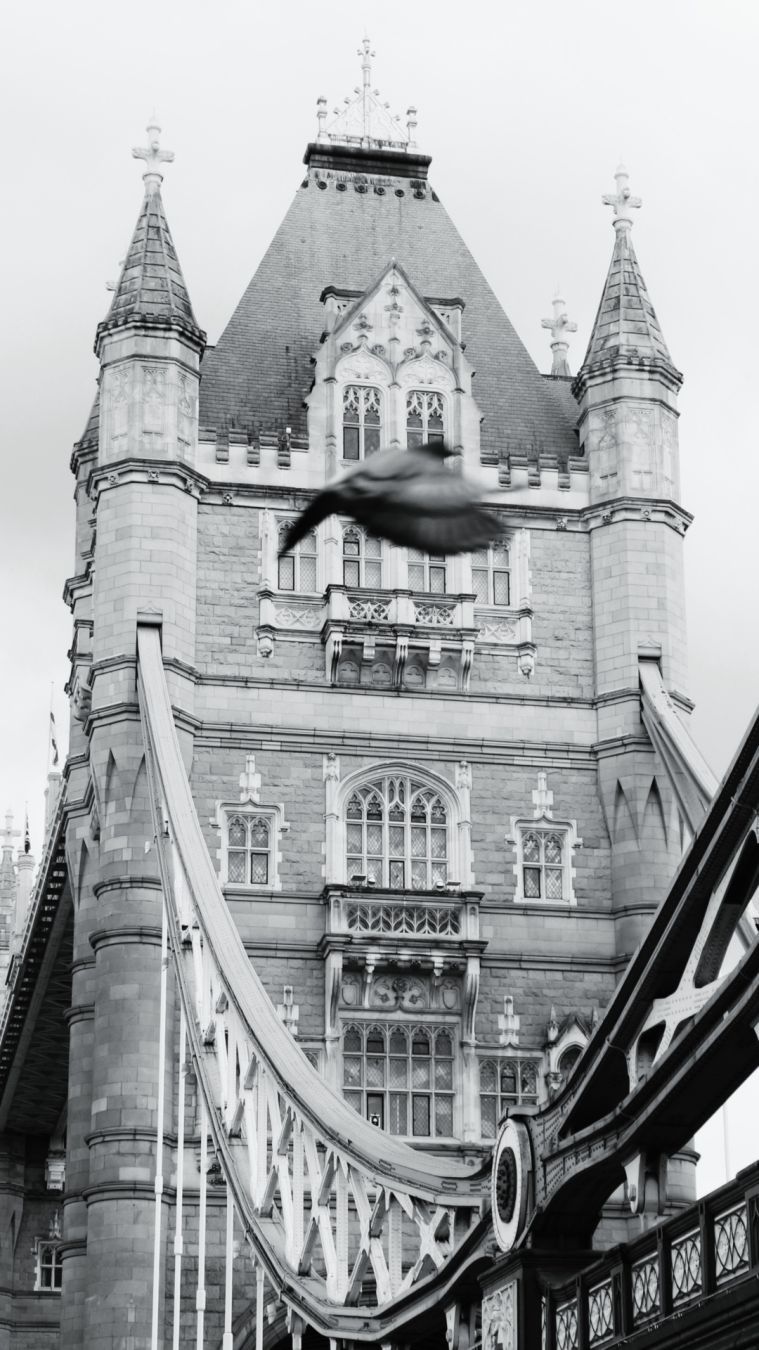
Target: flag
x=27, y=837
x=53, y=742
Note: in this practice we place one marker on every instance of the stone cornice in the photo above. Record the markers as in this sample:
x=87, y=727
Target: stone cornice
x=139, y=935
x=659, y=511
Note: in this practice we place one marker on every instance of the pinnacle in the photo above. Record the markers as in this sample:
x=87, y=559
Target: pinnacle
x=626, y=324
x=151, y=286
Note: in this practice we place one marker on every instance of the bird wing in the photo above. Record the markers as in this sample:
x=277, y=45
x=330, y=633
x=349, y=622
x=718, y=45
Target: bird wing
x=324, y=504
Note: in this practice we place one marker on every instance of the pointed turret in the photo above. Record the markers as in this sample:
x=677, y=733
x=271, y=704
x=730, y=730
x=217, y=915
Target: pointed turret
x=7, y=889
x=151, y=288
x=626, y=327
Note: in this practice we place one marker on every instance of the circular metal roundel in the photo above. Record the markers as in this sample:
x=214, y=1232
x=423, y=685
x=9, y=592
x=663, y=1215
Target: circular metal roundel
x=512, y=1163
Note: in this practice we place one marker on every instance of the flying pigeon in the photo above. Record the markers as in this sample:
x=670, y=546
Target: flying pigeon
x=409, y=497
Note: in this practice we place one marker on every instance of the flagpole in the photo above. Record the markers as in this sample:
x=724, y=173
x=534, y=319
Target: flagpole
x=50, y=722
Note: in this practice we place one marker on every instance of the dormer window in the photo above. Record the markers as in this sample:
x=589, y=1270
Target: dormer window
x=425, y=420
x=491, y=575
x=362, y=421
x=362, y=558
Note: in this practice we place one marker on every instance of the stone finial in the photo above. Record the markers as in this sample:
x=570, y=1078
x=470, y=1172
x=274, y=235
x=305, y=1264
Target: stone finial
x=508, y=1023
x=8, y=835
x=153, y=156
x=552, y=1030
x=366, y=54
x=289, y=1012
x=622, y=200
x=411, y=125
x=542, y=799
x=250, y=782
x=321, y=117
x=559, y=325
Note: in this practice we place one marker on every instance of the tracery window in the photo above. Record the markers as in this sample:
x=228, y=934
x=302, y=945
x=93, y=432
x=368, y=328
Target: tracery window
x=543, y=863
x=297, y=570
x=491, y=575
x=362, y=558
x=249, y=840
x=427, y=572
x=425, y=417
x=397, y=834
x=503, y=1083
x=362, y=421
x=49, y=1268
x=400, y=1077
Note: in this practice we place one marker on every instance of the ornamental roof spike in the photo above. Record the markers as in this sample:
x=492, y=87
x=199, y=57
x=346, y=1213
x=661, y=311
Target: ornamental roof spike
x=622, y=200
x=153, y=156
x=559, y=325
x=365, y=119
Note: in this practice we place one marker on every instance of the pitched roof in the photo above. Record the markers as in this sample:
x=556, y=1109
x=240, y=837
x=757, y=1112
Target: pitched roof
x=626, y=324
x=342, y=229
x=151, y=288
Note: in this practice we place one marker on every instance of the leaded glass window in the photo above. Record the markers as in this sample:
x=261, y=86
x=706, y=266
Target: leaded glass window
x=491, y=576
x=503, y=1083
x=397, y=834
x=49, y=1275
x=543, y=864
x=400, y=1077
x=427, y=572
x=297, y=570
x=249, y=839
x=362, y=421
x=425, y=417
x=362, y=558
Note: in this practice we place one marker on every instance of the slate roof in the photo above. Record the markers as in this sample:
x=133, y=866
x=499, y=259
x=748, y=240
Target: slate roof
x=151, y=288
x=626, y=322
x=342, y=230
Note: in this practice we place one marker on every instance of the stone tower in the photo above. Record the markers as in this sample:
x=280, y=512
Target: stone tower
x=439, y=819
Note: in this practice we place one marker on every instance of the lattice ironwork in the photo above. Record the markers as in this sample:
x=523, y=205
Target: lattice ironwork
x=646, y=1293
x=687, y=1271
x=731, y=1250
x=600, y=1314
x=567, y=1332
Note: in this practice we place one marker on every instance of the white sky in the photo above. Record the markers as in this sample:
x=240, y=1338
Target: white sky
x=526, y=109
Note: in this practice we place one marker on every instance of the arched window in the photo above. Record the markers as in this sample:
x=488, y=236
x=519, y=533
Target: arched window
x=397, y=834
x=504, y=1083
x=362, y=558
x=400, y=1077
x=296, y=570
x=362, y=421
x=425, y=419
x=544, y=854
x=491, y=575
x=427, y=572
x=248, y=856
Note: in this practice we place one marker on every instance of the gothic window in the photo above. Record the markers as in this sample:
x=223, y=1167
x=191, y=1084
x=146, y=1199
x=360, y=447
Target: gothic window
x=362, y=558
x=504, y=1083
x=397, y=834
x=400, y=1077
x=425, y=420
x=362, y=421
x=491, y=576
x=569, y=1059
x=543, y=863
x=427, y=572
x=297, y=569
x=249, y=849
x=49, y=1268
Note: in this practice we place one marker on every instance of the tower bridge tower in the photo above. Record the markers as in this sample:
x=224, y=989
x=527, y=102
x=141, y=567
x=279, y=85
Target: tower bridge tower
x=438, y=820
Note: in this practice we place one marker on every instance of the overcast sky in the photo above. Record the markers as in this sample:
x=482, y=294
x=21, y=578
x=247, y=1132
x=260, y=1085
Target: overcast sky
x=526, y=109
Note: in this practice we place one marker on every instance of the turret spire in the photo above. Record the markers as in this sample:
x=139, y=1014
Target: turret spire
x=151, y=287
x=626, y=327
x=559, y=326
x=153, y=156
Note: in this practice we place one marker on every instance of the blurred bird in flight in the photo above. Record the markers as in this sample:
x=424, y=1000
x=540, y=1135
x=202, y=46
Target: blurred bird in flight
x=409, y=497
